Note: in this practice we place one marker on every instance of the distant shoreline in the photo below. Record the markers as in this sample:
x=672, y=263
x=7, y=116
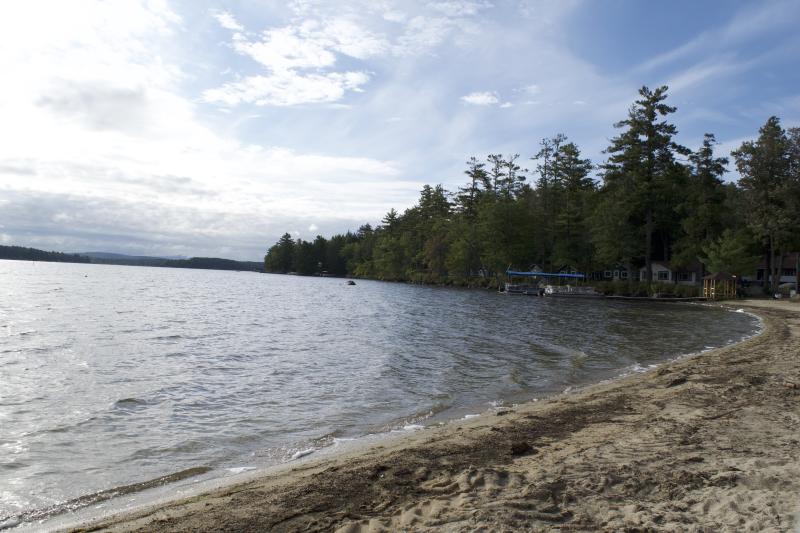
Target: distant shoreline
x=20, y=253
x=700, y=441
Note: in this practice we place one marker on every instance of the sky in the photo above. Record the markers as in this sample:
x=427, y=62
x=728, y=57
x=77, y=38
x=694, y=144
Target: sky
x=199, y=128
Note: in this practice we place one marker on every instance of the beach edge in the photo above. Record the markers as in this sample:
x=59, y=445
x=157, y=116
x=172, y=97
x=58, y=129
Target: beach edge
x=524, y=444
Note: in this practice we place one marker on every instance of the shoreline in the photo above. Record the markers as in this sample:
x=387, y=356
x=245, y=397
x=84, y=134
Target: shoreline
x=451, y=475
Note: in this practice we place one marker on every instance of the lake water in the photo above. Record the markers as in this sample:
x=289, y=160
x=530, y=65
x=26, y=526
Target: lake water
x=112, y=375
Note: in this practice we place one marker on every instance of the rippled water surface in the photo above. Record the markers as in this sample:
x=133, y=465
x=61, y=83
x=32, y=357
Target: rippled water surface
x=111, y=375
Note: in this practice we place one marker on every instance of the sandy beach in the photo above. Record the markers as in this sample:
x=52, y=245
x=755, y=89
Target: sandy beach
x=707, y=443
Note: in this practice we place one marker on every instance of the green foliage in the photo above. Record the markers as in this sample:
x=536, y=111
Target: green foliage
x=731, y=253
x=34, y=254
x=653, y=204
x=642, y=184
x=280, y=258
x=643, y=290
x=703, y=208
x=769, y=179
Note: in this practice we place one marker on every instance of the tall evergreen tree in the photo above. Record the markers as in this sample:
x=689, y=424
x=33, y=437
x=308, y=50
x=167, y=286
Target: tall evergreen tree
x=794, y=173
x=642, y=172
x=544, y=203
x=703, y=208
x=280, y=257
x=464, y=253
x=574, y=186
x=765, y=167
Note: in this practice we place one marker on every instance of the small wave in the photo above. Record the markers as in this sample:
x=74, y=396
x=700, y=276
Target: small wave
x=9, y=523
x=184, y=447
x=166, y=338
x=637, y=368
x=101, y=496
x=240, y=469
x=129, y=402
x=327, y=439
x=302, y=453
x=14, y=465
x=413, y=420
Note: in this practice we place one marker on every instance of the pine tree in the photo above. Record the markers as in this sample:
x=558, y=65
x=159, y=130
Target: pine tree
x=280, y=257
x=463, y=256
x=730, y=253
x=765, y=166
x=641, y=171
x=703, y=208
x=571, y=179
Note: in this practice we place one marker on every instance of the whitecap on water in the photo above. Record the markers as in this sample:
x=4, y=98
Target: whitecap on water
x=302, y=453
x=240, y=469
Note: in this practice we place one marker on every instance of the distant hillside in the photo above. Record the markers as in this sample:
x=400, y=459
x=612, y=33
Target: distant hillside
x=215, y=263
x=32, y=254
x=109, y=255
x=107, y=258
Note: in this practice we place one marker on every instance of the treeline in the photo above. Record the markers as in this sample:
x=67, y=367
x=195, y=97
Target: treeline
x=205, y=263
x=32, y=254
x=652, y=199
x=213, y=263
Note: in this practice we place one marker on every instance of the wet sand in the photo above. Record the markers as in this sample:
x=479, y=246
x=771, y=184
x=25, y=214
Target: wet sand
x=707, y=443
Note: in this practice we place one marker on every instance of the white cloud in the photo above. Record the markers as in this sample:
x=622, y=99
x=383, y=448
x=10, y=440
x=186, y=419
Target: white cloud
x=312, y=228
x=349, y=38
x=701, y=73
x=121, y=118
x=422, y=34
x=287, y=88
x=286, y=48
x=95, y=123
x=755, y=20
x=296, y=58
x=395, y=16
x=227, y=21
x=481, y=98
x=460, y=8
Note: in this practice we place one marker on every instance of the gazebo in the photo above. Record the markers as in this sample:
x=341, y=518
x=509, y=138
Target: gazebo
x=719, y=286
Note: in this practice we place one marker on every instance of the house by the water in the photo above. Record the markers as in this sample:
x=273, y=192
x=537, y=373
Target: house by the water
x=663, y=272
x=786, y=271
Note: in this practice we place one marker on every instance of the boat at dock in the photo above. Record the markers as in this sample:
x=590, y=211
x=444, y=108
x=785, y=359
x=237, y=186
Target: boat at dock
x=571, y=291
x=535, y=284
